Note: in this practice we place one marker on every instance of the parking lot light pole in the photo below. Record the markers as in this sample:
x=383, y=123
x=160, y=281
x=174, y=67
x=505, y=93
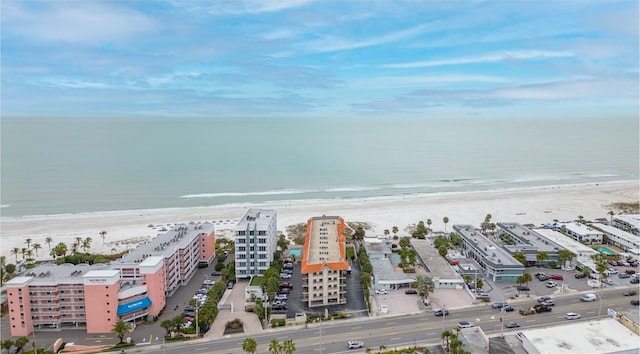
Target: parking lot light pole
x=444, y=314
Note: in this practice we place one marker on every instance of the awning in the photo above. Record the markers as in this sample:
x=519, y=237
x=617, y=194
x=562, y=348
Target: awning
x=132, y=306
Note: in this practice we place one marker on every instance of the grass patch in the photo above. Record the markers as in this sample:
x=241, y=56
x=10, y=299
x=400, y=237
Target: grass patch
x=256, y=280
x=350, y=252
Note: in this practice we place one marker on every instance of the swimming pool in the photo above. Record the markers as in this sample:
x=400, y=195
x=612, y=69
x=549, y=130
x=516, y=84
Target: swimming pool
x=605, y=250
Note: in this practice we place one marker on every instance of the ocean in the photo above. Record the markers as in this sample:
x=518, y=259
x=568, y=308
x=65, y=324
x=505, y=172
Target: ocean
x=56, y=166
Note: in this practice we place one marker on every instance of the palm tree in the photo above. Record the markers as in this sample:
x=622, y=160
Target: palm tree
x=394, y=230
x=581, y=218
x=601, y=266
x=386, y=232
x=23, y=251
x=103, y=234
x=429, y=222
x=167, y=325
x=48, y=241
x=36, y=247
x=445, y=220
x=541, y=257
x=611, y=214
x=86, y=244
x=28, y=242
x=274, y=346
x=382, y=348
x=424, y=284
x=445, y=336
x=15, y=251
x=368, y=350
x=120, y=329
x=289, y=346
x=250, y=345
x=527, y=278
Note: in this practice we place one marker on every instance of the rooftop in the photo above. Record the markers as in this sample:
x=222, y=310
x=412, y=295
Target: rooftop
x=385, y=273
x=526, y=236
x=580, y=229
x=491, y=251
x=583, y=253
x=617, y=232
x=260, y=219
x=324, y=244
x=631, y=219
x=165, y=244
x=52, y=274
x=604, y=336
x=436, y=265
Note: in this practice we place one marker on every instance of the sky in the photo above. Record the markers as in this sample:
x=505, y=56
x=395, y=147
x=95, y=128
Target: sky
x=319, y=58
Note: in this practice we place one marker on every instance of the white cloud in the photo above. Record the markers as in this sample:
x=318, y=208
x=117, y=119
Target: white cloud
x=487, y=58
x=76, y=22
x=422, y=80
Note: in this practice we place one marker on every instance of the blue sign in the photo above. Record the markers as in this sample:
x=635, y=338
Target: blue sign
x=132, y=306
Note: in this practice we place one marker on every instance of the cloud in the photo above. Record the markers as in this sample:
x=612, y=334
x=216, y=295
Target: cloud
x=422, y=80
x=221, y=8
x=487, y=58
x=87, y=23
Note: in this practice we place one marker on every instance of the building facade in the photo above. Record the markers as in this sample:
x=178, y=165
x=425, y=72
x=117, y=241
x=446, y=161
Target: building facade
x=581, y=232
x=324, y=265
x=620, y=238
x=516, y=238
x=97, y=296
x=256, y=239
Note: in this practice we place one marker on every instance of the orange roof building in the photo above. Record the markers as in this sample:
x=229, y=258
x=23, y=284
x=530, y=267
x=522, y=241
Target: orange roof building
x=324, y=263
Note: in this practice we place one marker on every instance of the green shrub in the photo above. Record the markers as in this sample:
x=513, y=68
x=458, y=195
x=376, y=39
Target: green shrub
x=278, y=323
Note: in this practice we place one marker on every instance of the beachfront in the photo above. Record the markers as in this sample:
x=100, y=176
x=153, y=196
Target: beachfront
x=126, y=229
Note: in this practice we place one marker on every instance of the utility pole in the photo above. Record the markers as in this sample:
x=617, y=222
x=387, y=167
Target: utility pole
x=444, y=314
x=502, y=312
x=320, y=321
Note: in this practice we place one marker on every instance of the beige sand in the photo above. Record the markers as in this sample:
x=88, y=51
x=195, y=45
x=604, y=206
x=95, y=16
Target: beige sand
x=127, y=228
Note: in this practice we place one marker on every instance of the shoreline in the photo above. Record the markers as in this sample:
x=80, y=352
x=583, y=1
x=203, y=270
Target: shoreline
x=127, y=228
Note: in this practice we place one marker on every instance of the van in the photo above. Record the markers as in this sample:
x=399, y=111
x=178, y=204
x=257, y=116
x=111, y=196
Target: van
x=588, y=297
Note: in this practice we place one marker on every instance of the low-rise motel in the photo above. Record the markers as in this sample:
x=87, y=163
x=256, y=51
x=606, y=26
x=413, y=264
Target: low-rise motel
x=97, y=296
x=324, y=263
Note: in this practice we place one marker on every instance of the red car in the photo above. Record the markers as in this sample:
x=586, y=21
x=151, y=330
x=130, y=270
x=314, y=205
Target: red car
x=556, y=277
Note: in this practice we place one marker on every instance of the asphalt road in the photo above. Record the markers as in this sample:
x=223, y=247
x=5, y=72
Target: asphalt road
x=420, y=329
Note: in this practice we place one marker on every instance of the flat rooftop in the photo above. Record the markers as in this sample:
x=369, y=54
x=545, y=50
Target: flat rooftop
x=631, y=219
x=324, y=245
x=52, y=274
x=604, y=336
x=617, y=232
x=567, y=243
x=527, y=236
x=437, y=266
x=490, y=250
x=165, y=244
x=580, y=229
x=258, y=218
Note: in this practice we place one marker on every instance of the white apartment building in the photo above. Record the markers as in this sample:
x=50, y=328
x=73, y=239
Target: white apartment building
x=256, y=239
x=625, y=240
x=581, y=232
x=628, y=222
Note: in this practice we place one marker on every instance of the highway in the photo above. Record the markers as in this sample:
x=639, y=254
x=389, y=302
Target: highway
x=419, y=329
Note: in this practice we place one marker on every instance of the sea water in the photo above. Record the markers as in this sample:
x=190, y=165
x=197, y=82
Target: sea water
x=57, y=165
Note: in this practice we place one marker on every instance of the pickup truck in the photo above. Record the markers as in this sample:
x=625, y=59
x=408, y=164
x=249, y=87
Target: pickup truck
x=538, y=308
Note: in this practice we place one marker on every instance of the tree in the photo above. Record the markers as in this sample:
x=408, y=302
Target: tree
x=445, y=336
x=564, y=256
x=48, y=241
x=365, y=279
x=28, y=242
x=527, y=278
x=479, y=283
x=520, y=258
x=60, y=250
x=3, y=261
x=120, y=329
x=445, y=220
x=274, y=346
x=405, y=242
x=23, y=251
x=86, y=244
x=21, y=342
x=386, y=232
x=424, y=284
x=15, y=251
x=394, y=230
x=36, y=247
x=103, y=234
x=429, y=222
x=250, y=345
x=611, y=214
x=581, y=218
x=382, y=348
x=7, y=344
x=167, y=325
x=288, y=346
x=442, y=250
x=541, y=257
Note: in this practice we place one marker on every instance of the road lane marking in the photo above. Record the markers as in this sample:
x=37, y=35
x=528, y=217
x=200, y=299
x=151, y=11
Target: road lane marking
x=529, y=321
x=397, y=338
x=356, y=327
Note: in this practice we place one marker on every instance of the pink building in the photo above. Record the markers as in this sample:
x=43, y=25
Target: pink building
x=97, y=296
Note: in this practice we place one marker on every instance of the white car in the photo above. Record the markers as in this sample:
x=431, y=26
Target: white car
x=285, y=276
x=381, y=292
x=355, y=344
x=572, y=316
x=465, y=324
x=610, y=271
x=551, y=284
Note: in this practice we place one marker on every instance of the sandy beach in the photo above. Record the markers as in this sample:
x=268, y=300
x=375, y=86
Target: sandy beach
x=125, y=229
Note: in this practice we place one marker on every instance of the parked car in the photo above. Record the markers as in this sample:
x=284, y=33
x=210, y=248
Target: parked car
x=286, y=285
x=285, y=290
x=511, y=324
x=279, y=307
x=551, y=284
x=483, y=297
x=607, y=281
x=381, y=291
x=630, y=293
x=543, y=277
x=556, y=277
x=288, y=266
x=285, y=276
x=623, y=263
x=465, y=324
x=216, y=274
x=635, y=302
x=523, y=288
x=281, y=296
x=613, y=263
x=634, y=280
x=355, y=344
x=624, y=275
x=410, y=291
x=580, y=275
x=610, y=271
x=442, y=312
x=287, y=271
x=572, y=316
x=230, y=285
x=630, y=271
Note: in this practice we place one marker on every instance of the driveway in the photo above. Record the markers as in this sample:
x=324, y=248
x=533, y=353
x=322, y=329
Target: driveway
x=232, y=307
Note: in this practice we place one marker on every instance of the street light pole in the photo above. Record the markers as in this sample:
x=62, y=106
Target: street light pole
x=502, y=312
x=444, y=314
x=320, y=321
x=197, y=327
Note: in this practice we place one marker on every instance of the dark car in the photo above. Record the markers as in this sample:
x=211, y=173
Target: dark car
x=410, y=291
x=630, y=271
x=523, y=288
x=442, y=312
x=507, y=308
x=511, y=325
x=286, y=285
x=556, y=277
x=630, y=293
x=230, y=285
x=635, y=302
x=580, y=275
x=216, y=274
